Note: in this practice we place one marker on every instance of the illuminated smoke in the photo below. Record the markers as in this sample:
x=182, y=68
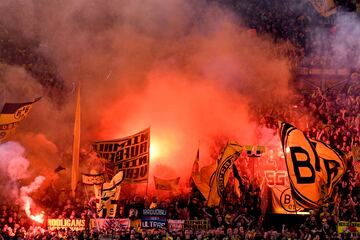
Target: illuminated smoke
x=27, y=200
x=13, y=167
x=187, y=69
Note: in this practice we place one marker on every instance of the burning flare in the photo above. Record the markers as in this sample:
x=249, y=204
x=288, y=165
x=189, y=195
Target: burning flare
x=27, y=200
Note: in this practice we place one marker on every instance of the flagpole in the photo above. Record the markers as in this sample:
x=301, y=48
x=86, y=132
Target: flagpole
x=76, y=144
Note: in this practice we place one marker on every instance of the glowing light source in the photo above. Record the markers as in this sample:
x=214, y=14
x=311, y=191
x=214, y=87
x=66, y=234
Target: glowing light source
x=37, y=218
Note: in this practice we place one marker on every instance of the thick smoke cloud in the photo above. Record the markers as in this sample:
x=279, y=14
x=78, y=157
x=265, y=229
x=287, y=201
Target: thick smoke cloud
x=186, y=69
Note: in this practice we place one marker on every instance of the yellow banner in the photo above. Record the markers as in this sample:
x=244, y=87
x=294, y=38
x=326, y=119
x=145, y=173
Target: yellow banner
x=91, y=179
x=167, y=184
x=130, y=154
x=73, y=224
x=196, y=224
x=219, y=179
x=11, y=115
x=353, y=227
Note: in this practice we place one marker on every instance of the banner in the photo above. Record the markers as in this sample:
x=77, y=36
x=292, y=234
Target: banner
x=91, y=179
x=282, y=201
x=109, y=224
x=107, y=194
x=130, y=154
x=153, y=218
x=219, y=179
x=73, y=224
x=175, y=225
x=196, y=224
x=313, y=167
x=352, y=227
x=168, y=185
x=325, y=7
x=11, y=115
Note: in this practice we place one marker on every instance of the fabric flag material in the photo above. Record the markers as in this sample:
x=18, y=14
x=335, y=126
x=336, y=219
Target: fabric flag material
x=219, y=179
x=238, y=184
x=129, y=154
x=195, y=168
x=59, y=169
x=325, y=7
x=76, y=144
x=282, y=201
x=313, y=167
x=332, y=165
x=107, y=194
x=11, y=115
x=167, y=184
x=202, y=180
x=91, y=179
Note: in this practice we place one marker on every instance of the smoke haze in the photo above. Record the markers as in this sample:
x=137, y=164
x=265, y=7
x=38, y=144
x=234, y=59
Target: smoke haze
x=186, y=69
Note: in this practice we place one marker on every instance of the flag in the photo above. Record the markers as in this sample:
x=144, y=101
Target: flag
x=219, y=179
x=202, y=180
x=313, y=167
x=129, y=154
x=107, y=194
x=325, y=7
x=168, y=185
x=11, y=115
x=332, y=165
x=91, y=179
x=195, y=168
x=76, y=144
x=238, y=184
x=59, y=169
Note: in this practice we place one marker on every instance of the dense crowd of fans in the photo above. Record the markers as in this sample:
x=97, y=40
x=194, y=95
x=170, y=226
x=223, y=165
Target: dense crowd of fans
x=332, y=116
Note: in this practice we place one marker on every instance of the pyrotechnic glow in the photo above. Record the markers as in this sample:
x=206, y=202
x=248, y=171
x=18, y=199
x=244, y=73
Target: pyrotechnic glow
x=37, y=218
x=27, y=201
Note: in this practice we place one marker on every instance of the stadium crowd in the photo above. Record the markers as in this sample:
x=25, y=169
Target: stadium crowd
x=335, y=119
x=332, y=116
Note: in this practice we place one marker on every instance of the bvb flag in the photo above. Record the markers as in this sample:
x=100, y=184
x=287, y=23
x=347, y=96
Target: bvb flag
x=107, y=194
x=167, y=184
x=129, y=154
x=11, y=115
x=313, y=167
x=76, y=144
x=325, y=7
x=219, y=179
x=202, y=179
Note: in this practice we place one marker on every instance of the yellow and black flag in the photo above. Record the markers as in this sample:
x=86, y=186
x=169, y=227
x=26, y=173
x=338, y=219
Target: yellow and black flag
x=219, y=179
x=129, y=154
x=332, y=165
x=167, y=184
x=11, y=115
x=313, y=167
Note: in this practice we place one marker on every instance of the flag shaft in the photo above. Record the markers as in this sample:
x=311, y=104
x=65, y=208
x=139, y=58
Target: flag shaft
x=76, y=144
